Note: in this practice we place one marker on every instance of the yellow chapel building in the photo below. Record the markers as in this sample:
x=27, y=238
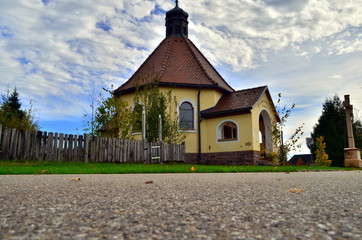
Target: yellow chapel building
x=223, y=126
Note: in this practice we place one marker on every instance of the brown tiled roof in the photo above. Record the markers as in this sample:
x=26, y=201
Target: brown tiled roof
x=176, y=61
x=236, y=102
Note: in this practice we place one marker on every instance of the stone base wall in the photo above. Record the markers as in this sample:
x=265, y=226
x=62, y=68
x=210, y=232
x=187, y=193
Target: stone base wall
x=225, y=158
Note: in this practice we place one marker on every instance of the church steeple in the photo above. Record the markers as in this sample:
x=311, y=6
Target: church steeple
x=176, y=22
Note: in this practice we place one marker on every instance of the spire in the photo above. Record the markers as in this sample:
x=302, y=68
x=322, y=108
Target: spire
x=176, y=22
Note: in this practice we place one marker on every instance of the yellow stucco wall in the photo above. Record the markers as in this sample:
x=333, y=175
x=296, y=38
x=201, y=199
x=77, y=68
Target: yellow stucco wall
x=208, y=99
x=262, y=104
x=210, y=137
x=248, y=124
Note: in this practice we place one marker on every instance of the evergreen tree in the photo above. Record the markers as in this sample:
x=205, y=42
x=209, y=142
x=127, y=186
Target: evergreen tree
x=321, y=158
x=11, y=105
x=357, y=133
x=13, y=116
x=332, y=126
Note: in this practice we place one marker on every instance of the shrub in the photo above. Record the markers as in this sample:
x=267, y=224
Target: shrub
x=321, y=155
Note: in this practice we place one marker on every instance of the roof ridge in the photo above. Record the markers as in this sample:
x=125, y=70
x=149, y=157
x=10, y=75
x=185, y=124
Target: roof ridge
x=165, y=60
x=248, y=89
x=198, y=61
x=189, y=43
x=140, y=67
x=177, y=60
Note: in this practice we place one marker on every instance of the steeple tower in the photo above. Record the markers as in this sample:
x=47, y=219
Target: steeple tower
x=176, y=22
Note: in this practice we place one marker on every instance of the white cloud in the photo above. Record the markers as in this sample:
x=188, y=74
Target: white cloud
x=335, y=76
x=274, y=25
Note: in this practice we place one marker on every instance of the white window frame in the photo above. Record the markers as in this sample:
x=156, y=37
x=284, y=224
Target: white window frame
x=219, y=132
x=194, y=114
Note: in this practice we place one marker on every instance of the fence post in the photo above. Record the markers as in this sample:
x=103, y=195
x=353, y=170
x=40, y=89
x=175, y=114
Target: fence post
x=93, y=148
x=21, y=147
x=37, y=144
x=55, y=146
x=109, y=149
x=1, y=132
x=86, y=142
x=26, y=145
x=161, y=154
x=49, y=148
x=29, y=145
x=44, y=145
x=97, y=152
x=121, y=147
x=13, y=144
x=5, y=144
x=75, y=148
x=70, y=148
x=1, y=128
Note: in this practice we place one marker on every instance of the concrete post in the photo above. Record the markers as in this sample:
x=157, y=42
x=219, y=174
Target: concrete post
x=352, y=155
x=159, y=128
x=349, y=113
x=143, y=124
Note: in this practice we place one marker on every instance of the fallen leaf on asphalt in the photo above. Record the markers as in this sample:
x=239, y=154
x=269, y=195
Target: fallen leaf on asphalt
x=149, y=182
x=75, y=179
x=296, y=190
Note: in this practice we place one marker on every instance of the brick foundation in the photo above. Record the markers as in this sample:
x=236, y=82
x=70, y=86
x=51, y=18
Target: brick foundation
x=226, y=158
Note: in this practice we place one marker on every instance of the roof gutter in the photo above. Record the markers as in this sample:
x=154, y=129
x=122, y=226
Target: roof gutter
x=226, y=113
x=182, y=85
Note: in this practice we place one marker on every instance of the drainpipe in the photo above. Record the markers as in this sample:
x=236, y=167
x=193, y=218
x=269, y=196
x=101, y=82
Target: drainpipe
x=199, y=155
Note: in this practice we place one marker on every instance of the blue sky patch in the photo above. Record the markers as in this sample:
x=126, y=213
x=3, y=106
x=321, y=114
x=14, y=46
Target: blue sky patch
x=133, y=46
x=45, y=2
x=5, y=31
x=6, y=35
x=158, y=11
x=104, y=25
x=32, y=71
x=23, y=60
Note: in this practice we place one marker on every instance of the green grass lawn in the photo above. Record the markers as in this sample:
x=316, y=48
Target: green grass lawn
x=12, y=167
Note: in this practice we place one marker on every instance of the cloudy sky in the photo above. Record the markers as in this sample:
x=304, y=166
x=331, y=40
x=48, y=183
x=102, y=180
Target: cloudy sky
x=58, y=52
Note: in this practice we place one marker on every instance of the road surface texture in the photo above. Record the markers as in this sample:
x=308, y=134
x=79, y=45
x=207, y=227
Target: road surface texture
x=308, y=205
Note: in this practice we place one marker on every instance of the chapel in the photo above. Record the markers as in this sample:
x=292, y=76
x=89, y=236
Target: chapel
x=223, y=125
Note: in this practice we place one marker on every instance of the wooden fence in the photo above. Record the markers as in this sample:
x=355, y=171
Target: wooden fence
x=43, y=146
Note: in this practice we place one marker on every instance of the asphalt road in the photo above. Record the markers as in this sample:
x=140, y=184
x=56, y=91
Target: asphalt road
x=310, y=205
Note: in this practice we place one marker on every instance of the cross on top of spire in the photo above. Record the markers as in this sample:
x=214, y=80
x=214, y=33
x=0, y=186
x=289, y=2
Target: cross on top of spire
x=176, y=3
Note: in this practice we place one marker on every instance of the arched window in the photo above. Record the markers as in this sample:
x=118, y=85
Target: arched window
x=186, y=116
x=137, y=125
x=227, y=131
